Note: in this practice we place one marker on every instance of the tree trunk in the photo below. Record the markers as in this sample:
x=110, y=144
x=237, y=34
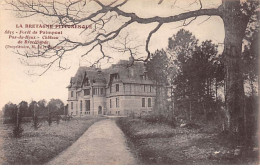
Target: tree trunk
x=190, y=112
x=235, y=24
x=156, y=109
x=216, y=90
x=252, y=86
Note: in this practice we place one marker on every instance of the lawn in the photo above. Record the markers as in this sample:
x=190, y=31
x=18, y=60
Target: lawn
x=39, y=146
x=158, y=143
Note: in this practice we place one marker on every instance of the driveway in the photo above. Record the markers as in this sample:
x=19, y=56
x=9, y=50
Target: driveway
x=103, y=143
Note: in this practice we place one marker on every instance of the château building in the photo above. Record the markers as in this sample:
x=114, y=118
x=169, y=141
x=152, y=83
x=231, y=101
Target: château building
x=118, y=90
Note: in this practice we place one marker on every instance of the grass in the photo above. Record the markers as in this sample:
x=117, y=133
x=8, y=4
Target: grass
x=39, y=146
x=158, y=143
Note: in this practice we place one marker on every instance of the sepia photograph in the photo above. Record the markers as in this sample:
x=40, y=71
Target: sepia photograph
x=129, y=82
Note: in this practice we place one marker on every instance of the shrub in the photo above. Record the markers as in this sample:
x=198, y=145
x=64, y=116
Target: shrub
x=160, y=118
x=36, y=123
x=49, y=119
x=17, y=131
x=58, y=117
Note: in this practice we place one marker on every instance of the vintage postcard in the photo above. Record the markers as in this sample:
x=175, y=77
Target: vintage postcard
x=129, y=82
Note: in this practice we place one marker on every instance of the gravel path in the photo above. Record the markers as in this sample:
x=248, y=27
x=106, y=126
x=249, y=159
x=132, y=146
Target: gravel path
x=103, y=143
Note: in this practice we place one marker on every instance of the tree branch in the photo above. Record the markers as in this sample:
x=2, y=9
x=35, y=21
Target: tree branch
x=66, y=13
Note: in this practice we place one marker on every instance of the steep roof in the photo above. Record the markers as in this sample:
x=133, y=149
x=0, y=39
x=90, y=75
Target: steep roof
x=127, y=74
x=93, y=74
x=126, y=70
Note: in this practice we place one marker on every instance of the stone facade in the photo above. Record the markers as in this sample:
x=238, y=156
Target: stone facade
x=118, y=90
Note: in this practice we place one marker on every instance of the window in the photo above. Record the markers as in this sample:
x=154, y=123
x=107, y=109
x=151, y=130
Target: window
x=110, y=89
x=98, y=91
x=80, y=105
x=143, y=102
x=117, y=102
x=87, y=82
x=149, y=102
x=132, y=72
x=150, y=88
x=86, y=92
x=87, y=104
x=71, y=105
x=71, y=94
x=117, y=87
x=110, y=101
x=145, y=75
x=114, y=76
x=117, y=76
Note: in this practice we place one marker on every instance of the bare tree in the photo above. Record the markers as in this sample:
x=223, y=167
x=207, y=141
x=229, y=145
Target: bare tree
x=235, y=14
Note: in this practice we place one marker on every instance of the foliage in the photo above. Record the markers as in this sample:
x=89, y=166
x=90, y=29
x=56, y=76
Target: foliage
x=10, y=110
x=181, y=46
x=17, y=130
x=56, y=106
x=49, y=120
x=36, y=123
x=157, y=67
x=160, y=118
x=196, y=72
x=159, y=143
x=251, y=114
x=250, y=57
x=58, y=119
x=32, y=108
x=199, y=69
x=23, y=105
x=199, y=79
x=40, y=108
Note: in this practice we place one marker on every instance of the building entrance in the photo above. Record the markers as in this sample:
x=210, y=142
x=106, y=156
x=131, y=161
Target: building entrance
x=99, y=110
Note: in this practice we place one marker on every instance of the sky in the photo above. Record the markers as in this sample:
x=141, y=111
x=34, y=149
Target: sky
x=16, y=85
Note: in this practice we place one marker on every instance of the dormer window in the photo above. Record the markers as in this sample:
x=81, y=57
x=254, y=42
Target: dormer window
x=86, y=92
x=114, y=76
x=71, y=94
x=86, y=82
x=144, y=76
